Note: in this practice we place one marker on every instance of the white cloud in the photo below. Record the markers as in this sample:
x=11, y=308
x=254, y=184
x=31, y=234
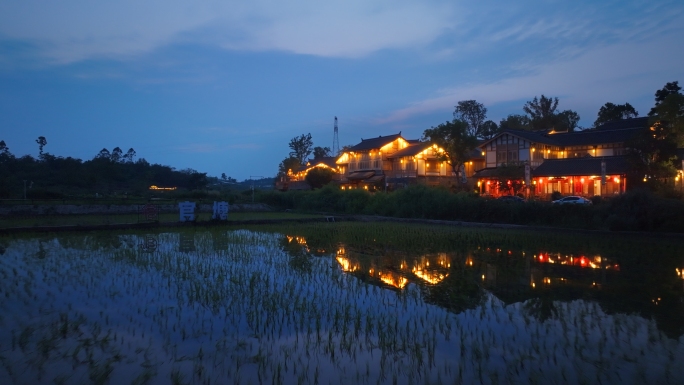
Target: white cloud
x=614, y=73
x=72, y=30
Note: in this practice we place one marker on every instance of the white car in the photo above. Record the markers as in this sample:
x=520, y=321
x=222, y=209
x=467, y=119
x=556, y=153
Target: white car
x=572, y=200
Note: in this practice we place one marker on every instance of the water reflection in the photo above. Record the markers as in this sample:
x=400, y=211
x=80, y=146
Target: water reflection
x=270, y=308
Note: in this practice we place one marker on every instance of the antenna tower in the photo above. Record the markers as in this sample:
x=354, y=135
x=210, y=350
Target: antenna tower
x=336, y=141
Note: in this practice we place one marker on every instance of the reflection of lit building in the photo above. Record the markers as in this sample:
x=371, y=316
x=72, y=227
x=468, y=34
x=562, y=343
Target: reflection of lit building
x=595, y=262
x=430, y=269
x=298, y=240
x=347, y=265
x=432, y=274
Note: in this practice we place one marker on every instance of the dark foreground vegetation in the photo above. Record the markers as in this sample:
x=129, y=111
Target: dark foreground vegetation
x=634, y=211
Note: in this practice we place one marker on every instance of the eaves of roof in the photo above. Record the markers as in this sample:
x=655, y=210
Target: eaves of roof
x=373, y=143
x=411, y=150
x=582, y=166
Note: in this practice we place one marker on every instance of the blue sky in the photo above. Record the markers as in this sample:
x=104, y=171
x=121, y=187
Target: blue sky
x=222, y=86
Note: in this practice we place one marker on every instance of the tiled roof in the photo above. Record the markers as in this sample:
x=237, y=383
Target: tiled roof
x=583, y=138
x=415, y=149
x=326, y=160
x=582, y=166
x=411, y=150
x=373, y=143
x=577, y=138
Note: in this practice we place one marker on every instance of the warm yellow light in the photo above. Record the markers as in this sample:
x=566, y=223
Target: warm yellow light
x=483, y=153
x=365, y=187
x=533, y=149
x=582, y=180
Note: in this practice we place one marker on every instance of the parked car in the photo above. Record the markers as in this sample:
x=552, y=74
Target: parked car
x=572, y=200
x=510, y=198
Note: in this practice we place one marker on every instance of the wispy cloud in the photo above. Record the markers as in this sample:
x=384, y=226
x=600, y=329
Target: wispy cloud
x=73, y=30
x=608, y=73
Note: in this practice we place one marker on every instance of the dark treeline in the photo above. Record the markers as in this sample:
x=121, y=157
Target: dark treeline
x=50, y=176
x=634, y=211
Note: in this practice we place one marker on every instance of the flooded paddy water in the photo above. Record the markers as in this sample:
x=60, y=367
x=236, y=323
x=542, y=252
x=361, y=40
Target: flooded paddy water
x=341, y=303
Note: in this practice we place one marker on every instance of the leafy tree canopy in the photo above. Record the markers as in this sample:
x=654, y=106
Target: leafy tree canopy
x=290, y=163
x=542, y=115
x=610, y=112
x=301, y=147
x=515, y=122
x=318, y=177
x=456, y=140
x=473, y=114
x=662, y=94
x=321, y=152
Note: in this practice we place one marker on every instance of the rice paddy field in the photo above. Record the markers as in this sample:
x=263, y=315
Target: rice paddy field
x=341, y=303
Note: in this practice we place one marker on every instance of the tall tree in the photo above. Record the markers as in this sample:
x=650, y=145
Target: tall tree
x=319, y=177
x=103, y=154
x=567, y=121
x=489, y=129
x=515, y=122
x=41, y=143
x=117, y=155
x=660, y=95
x=541, y=112
x=4, y=150
x=321, y=152
x=473, y=114
x=610, y=112
x=456, y=140
x=289, y=164
x=301, y=147
x=652, y=154
x=129, y=157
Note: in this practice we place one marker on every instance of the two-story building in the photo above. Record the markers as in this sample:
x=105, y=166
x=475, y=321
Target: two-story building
x=393, y=162
x=587, y=163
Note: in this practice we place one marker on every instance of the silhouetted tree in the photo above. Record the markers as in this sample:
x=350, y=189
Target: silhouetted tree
x=610, y=112
x=515, y=122
x=301, y=147
x=321, y=152
x=541, y=112
x=41, y=143
x=117, y=155
x=660, y=95
x=319, y=177
x=489, y=129
x=456, y=140
x=129, y=157
x=473, y=114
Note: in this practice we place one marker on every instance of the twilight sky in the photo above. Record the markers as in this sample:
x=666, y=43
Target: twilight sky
x=222, y=86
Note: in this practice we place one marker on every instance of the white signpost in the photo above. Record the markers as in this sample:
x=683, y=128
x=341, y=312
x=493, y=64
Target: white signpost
x=187, y=211
x=603, y=172
x=220, y=211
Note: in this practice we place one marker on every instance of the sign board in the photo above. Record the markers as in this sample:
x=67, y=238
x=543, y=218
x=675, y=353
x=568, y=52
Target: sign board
x=187, y=211
x=220, y=211
x=603, y=172
x=527, y=174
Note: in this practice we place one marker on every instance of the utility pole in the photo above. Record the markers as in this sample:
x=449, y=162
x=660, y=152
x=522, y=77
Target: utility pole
x=336, y=141
x=250, y=178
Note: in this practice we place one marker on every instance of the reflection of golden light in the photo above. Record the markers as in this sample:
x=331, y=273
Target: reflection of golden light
x=398, y=282
x=347, y=265
x=430, y=277
x=533, y=285
x=547, y=280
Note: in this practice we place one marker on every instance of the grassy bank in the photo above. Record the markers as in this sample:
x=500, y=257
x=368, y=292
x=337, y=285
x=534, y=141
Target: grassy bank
x=634, y=211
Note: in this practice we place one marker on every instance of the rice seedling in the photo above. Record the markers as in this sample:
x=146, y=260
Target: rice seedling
x=333, y=303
